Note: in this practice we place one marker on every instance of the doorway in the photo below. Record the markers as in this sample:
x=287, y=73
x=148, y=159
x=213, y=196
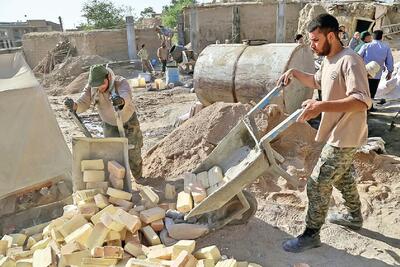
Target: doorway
x=363, y=25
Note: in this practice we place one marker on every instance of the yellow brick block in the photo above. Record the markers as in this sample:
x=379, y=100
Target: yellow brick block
x=81, y=234
x=98, y=236
x=151, y=236
x=112, y=192
x=92, y=164
x=93, y=176
x=187, y=245
x=184, y=203
x=68, y=227
x=211, y=252
x=109, y=209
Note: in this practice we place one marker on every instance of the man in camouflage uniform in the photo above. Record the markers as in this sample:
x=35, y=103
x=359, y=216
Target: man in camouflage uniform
x=106, y=91
x=343, y=82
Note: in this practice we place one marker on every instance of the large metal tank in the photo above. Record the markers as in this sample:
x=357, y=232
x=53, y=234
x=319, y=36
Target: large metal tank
x=244, y=73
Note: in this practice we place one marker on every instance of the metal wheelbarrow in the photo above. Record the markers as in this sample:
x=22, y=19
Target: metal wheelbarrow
x=243, y=157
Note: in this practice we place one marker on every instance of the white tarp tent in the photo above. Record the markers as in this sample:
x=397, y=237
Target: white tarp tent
x=32, y=147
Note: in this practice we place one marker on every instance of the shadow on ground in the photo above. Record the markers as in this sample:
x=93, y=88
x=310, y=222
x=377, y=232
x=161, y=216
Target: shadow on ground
x=259, y=242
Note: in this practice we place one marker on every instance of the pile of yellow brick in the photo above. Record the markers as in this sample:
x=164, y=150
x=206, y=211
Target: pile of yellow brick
x=104, y=228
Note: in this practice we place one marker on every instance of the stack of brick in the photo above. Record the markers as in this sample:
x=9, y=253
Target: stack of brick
x=105, y=228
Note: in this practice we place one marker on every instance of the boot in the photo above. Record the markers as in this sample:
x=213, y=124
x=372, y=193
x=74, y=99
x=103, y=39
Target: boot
x=307, y=240
x=352, y=220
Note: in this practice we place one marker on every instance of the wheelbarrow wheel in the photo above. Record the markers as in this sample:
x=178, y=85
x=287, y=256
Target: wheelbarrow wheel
x=250, y=212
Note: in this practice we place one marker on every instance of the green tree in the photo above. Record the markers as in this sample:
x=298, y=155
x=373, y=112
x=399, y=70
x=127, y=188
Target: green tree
x=102, y=14
x=148, y=12
x=171, y=12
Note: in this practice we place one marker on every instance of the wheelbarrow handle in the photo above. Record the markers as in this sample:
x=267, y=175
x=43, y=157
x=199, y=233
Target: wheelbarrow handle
x=271, y=135
x=267, y=99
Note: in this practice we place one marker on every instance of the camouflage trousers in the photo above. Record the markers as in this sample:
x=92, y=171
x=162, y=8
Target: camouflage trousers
x=333, y=169
x=134, y=136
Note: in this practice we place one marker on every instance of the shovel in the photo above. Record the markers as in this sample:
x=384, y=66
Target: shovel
x=80, y=124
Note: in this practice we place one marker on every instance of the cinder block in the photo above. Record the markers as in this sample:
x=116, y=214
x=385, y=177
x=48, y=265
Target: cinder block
x=97, y=185
x=109, y=209
x=86, y=195
x=101, y=201
x=181, y=260
x=184, y=203
x=135, y=249
x=202, y=178
x=207, y=263
x=88, y=209
x=98, y=236
x=114, y=243
x=215, y=175
x=210, y=252
x=121, y=202
x=227, y=263
x=109, y=221
x=98, y=262
x=40, y=244
x=150, y=236
x=18, y=239
x=151, y=215
x=116, y=183
x=112, y=192
x=68, y=227
x=43, y=258
x=186, y=245
x=71, y=247
x=188, y=179
x=161, y=253
x=93, y=176
x=113, y=235
x=3, y=247
x=198, y=192
x=24, y=263
x=157, y=225
x=149, y=195
x=92, y=164
x=75, y=258
x=81, y=234
x=115, y=169
x=7, y=262
x=170, y=192
x=131, y=222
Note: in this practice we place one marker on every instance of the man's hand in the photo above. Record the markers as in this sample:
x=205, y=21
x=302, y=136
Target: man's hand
x=388, y=76
x=311, y=109
x=285, y=78
x=117, y=101
x=70, y=104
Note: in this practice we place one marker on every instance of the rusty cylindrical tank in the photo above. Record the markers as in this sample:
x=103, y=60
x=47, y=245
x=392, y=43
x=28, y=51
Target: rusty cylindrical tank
x=244, y=73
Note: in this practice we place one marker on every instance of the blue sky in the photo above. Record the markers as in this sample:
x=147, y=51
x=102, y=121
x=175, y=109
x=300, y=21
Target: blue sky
x=69, y=10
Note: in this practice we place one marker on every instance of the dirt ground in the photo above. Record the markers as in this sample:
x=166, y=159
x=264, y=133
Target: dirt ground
x=281, y=211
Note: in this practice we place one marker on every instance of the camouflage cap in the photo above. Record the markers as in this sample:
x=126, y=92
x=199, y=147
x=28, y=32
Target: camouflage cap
x=97, y=75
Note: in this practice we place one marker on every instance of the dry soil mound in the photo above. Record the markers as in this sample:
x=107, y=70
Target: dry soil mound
x=78, y=84
x=193, y=141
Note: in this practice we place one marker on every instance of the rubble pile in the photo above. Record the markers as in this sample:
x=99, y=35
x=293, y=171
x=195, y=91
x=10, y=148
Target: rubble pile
x=107, y=227
x=64, y=74
x=63, y=50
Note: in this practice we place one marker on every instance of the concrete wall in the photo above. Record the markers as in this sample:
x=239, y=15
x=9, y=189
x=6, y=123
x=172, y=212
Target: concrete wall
x=111, y=44
x=257, y=21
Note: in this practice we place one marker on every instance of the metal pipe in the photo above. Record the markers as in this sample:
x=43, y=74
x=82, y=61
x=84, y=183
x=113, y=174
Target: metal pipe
x=130, y=35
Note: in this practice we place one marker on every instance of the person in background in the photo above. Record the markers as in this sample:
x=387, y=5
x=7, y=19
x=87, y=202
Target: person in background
x=355, y=40
x=165, y=34
x=299, y=39
x=365, y=37
x=344, y=36
x=381, y=53
x=144, y=57
x=162, y=54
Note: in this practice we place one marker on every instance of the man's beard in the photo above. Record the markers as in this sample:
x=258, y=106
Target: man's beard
x=326, y=49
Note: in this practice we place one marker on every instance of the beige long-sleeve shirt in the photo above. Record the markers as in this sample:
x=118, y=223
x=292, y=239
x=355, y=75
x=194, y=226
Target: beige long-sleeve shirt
x=104, y=105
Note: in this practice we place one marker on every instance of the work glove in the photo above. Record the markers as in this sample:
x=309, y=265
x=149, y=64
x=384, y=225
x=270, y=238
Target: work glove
x=117, y=101
x=69, y=103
